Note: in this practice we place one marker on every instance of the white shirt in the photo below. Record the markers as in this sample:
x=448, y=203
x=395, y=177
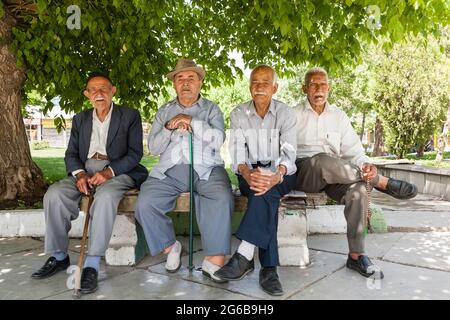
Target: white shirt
x=330, y=132
x=99, y=136
x=99, y=133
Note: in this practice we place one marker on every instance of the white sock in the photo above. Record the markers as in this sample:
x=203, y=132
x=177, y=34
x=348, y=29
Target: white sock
x=246, y=249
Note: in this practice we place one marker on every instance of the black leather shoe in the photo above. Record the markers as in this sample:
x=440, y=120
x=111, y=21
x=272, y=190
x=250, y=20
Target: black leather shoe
x=365, y=267
x=400, y=189
x=51, y=267
x=89, y=281
x=269, y=281
x=236, y=268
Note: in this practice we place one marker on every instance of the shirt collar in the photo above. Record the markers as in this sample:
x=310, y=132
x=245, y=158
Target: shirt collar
x=328, y=107
x=108, y=116
x=253, y=108
x=199, y=103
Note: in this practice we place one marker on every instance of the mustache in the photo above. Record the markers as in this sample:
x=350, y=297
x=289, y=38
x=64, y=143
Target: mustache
x=99, y=97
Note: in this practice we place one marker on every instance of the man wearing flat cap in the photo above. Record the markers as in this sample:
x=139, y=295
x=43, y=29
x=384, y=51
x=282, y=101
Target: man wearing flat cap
x=214, y=202
x=104, y=151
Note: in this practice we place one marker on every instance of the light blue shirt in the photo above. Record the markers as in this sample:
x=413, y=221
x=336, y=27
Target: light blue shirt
x=269, y=139
x=173, y=146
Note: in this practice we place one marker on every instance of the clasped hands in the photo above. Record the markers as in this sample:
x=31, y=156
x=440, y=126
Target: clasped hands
x=181, y=122
x=86, y=182
x=261, y=180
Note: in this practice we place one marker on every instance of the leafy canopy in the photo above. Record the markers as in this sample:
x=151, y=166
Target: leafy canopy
x=138, y=41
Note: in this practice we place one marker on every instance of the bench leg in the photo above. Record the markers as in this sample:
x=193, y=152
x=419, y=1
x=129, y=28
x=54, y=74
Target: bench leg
x=127, y=245
x=292, y=232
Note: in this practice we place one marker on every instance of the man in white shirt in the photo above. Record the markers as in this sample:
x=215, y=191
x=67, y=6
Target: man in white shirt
x=104, y=151
x=331, y=158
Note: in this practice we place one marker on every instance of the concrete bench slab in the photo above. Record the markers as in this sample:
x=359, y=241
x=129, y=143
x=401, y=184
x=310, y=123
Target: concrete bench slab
x=128, y=246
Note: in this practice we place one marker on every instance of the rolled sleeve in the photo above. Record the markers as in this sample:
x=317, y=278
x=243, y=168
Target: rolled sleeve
x=351, y=146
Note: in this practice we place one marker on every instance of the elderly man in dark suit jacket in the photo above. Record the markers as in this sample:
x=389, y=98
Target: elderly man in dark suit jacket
x=104, y=151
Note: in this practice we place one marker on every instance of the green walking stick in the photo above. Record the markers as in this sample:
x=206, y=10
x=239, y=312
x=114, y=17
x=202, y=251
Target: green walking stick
x=191, y=202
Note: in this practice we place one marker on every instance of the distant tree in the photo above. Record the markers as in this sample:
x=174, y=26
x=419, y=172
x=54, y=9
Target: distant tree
x=229, y=96
x=411, y=92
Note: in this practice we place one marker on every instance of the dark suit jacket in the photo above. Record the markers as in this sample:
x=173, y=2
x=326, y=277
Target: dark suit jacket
x=123, y=147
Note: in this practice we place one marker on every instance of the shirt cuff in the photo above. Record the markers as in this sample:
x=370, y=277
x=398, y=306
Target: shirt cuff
x=290, y=168
x=362, y=160
x=74, y=173
x=112, y=171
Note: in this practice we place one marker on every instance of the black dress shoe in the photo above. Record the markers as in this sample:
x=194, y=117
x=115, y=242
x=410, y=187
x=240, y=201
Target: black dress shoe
x=236, y=268
x=51, y=267
x=365, y=267
x=89, y=281
x=269, y=281
x=399, y=189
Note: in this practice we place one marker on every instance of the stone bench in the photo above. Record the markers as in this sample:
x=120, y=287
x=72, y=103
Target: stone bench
x=128, y=246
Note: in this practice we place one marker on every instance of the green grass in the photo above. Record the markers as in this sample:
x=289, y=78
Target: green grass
x=51, y=161
x=48, y=153
x=428, y=160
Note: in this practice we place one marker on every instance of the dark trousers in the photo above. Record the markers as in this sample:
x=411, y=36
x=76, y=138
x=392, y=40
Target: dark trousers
x=260, y=222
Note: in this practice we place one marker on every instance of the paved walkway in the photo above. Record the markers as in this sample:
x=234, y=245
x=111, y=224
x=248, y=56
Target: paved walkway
x=416, y=263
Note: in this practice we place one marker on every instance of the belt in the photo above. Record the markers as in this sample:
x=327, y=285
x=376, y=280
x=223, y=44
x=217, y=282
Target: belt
x=98, y=156
x=262, y=165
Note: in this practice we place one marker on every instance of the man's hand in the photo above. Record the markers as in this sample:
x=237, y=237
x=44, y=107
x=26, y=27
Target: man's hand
x=83, y=182
x=174, y=123
x=183, y=127
x=260, y=180
x=369, y=171
x=100, y=177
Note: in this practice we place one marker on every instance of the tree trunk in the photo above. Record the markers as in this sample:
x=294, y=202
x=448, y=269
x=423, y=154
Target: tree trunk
x=443, y=138
x=378, y=148
x=363, y=124
x=420, y=150
x=20, y=178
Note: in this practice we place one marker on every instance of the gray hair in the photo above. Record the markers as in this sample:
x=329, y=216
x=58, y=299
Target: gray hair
x=313, y=71
x=265, y=67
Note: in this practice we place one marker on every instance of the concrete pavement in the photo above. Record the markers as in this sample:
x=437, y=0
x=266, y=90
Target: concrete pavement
x=416, y=264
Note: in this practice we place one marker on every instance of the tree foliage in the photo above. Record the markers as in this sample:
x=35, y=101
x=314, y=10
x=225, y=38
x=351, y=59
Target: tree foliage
x=411, y=93
x=138, y=41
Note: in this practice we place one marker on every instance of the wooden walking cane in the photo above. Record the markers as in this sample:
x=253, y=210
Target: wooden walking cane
x=191, y=202
x=87, y=218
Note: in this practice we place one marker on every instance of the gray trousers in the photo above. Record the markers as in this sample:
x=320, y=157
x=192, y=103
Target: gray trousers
x=214, y=205
x=342, y=182
x=61, y=207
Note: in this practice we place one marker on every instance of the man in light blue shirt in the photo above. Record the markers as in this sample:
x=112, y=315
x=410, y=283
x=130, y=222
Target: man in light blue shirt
x=263, y=149
x=214, y=201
